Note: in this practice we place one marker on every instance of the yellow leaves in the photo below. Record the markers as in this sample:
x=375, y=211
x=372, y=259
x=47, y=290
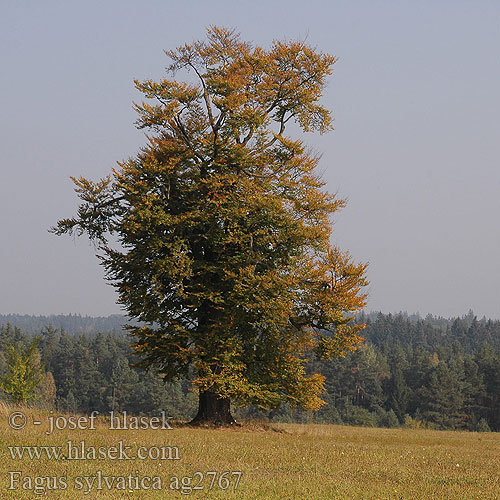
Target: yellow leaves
x=240, y=90
x=343, y=340
x=89, y=190
x=297, y=78
x=345, y=279
x=159, y=115
x=311, y=387
x=225, y=224
x=169, y=91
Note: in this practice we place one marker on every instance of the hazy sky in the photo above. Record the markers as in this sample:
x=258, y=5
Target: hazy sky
x=415, y=97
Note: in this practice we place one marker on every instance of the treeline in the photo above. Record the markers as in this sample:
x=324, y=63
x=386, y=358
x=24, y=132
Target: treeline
x=410, y=371
x=94, y=372
x=436, y=373
x=72, y=323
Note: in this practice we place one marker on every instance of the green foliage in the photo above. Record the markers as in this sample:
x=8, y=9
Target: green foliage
x=46, y=392
x=413, y=423
x=357, y=415
x=388, y=419
x=443, y=398
x=483, y=426
x=224, y=227
x=24, y=372
x=382, y=378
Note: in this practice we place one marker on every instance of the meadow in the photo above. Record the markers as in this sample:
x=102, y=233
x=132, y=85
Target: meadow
x=277, y=462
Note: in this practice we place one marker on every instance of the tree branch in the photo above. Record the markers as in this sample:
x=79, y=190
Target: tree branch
x=180, y=126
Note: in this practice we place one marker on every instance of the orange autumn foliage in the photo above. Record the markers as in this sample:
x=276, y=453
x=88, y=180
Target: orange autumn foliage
x=224, y=225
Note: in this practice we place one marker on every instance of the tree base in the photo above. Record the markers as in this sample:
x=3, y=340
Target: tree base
x=213, y=410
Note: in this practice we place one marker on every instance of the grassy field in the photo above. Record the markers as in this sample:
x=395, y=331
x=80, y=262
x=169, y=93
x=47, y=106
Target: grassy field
x=278, y=462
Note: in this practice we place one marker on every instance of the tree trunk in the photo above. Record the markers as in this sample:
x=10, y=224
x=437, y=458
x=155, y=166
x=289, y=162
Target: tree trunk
x=213, y=409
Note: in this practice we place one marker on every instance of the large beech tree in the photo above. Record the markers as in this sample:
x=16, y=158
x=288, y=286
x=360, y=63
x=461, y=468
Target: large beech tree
x=224, y=229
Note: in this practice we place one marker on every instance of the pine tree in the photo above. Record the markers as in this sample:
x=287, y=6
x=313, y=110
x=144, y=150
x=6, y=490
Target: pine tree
x=64, y=369
x=442, y=399
x=488, y=361
x=48, y=347
x=398, y=394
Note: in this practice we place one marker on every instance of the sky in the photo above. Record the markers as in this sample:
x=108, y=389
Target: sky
x=415, y=151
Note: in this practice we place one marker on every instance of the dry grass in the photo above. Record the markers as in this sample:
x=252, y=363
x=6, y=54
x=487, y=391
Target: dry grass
x=279, y=462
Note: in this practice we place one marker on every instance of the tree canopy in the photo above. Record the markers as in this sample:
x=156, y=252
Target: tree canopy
x=224, y=226
x=24, y=372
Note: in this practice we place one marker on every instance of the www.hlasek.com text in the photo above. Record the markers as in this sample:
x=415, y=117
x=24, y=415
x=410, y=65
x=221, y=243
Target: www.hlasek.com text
x=80, y=450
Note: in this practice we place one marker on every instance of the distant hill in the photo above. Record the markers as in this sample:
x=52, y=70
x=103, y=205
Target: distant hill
x=78, y=324
x=71, y=323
